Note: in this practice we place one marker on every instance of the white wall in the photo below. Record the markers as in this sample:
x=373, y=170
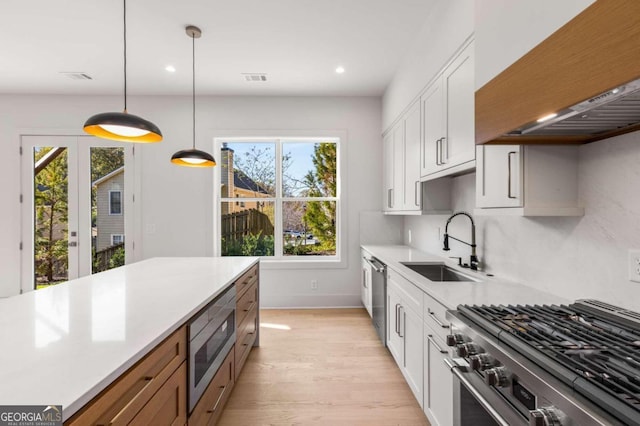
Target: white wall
x=178, y=201
x=506, y=29
x=583, y=257
x=445, y=29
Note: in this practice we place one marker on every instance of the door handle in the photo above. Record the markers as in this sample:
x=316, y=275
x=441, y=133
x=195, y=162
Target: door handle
x=401, y=322
x=397, y=319
x=434, y=343
x=435, y=318
x=438, y=151
x=509, y=174
x=444, y=144
x=416, y=193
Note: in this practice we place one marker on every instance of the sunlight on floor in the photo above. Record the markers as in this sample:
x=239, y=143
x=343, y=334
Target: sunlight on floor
x=275, y=326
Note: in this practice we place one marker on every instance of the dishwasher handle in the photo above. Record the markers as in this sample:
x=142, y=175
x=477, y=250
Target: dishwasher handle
x=376, y=264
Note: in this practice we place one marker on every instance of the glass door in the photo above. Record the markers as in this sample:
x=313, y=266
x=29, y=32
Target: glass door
x=73, y=199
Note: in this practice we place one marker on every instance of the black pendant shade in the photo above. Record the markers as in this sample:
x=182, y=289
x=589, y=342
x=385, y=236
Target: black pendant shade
x=122, y=126
x=193, y=157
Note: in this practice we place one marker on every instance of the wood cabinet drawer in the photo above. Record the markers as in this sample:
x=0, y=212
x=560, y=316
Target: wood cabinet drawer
x=207, y=410
x=123, y=399
x=245, y=338
x=245, y=281
x=247, y=302
x=435, y=316
x=169, y=405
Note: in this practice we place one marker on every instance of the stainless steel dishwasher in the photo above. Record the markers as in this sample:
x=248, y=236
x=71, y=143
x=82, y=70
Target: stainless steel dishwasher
x=379, y=297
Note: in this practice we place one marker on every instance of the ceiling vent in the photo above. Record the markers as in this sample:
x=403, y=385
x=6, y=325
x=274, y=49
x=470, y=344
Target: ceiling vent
x=254, y=77
x=77, y=75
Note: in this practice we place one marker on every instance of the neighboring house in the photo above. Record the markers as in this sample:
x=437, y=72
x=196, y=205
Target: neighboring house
x=236, y=184
x=110, y=209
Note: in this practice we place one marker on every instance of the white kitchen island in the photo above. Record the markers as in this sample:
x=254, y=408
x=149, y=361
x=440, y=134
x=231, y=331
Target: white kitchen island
x=64, y=344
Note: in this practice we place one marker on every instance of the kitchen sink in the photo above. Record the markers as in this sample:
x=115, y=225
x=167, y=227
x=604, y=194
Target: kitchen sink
x=438, y=272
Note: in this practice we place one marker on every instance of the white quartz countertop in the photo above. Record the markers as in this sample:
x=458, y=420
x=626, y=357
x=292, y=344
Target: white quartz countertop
x=64, y=344
x=490, y=291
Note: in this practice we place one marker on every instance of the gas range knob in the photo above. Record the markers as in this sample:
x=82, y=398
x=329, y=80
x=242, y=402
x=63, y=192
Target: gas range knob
x=481, y=362
x=467, y=349
x=496, y=376
x=455, y=339
x=547, y=416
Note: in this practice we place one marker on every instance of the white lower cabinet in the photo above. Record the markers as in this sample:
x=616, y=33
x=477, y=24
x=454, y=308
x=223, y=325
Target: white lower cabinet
x=365, y=285
x=405, y=332
x=438, y=381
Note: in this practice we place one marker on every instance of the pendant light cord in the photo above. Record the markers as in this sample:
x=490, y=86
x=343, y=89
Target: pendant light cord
x=125, y=55
x=193, y=69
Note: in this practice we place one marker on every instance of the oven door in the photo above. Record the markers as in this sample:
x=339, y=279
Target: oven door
x=476, y=403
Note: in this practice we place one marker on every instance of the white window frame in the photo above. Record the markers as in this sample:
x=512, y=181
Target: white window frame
x=117, y=235
x=339, y=260
x=121, y=202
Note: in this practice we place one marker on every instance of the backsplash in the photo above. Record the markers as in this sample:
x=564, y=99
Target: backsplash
x=573, y=257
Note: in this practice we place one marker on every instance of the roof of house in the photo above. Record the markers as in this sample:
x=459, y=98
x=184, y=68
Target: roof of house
x=108, y=176
x=242, y=181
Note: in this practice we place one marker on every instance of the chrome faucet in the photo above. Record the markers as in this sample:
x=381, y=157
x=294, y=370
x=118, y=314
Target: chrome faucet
x=473, y=261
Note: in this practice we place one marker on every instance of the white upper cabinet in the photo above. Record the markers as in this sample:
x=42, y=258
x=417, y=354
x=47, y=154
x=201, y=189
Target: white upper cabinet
x=529, y=180
x=448, y=142
x=393, y=165
x=412, y=188
x=401, y=165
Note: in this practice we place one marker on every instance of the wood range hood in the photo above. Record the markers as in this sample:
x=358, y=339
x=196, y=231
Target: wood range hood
x=592, y=57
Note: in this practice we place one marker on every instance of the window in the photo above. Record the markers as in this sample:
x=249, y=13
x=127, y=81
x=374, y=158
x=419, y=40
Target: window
x=280, y=198
x=115, y=202
x=117, y=239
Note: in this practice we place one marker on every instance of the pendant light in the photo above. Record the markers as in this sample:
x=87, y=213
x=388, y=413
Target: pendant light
x=122, y=126
x=193, y=157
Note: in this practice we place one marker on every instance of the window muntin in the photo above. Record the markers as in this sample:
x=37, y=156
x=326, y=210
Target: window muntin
x=115, y=202
x=117, y=239
x=292, y=187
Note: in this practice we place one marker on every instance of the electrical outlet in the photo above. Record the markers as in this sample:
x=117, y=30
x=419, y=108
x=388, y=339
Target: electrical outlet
x=634, y=265
x=314, y=284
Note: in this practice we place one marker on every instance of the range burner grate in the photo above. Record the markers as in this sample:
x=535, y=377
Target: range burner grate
x=592, y=353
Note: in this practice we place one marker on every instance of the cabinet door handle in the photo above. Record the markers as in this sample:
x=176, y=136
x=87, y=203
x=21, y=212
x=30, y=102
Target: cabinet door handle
x=142, y=384
x=509, y=174
x=434, y=343
x=401, y=322
x=215, y=407
x=417, y=193
x=389, y=198
x=435, y=318
x=438, y=151
x=444, y=144
x=364, y=278
x=397, y=319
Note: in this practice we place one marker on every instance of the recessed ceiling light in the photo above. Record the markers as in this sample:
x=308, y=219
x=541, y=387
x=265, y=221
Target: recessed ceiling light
x=547, y=117
x=340, y=70
x=170, y=68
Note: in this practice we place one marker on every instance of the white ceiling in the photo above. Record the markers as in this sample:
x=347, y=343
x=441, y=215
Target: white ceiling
x=297, y=43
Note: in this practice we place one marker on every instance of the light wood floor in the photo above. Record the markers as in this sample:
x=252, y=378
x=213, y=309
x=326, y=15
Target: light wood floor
x=329, y=368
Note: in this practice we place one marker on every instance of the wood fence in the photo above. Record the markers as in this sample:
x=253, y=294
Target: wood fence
x=236, y=226
x=101, y=258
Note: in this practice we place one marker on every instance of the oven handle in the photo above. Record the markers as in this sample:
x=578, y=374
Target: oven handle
x=477, y=395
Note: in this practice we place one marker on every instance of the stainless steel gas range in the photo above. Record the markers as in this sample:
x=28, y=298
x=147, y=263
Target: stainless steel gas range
x=575, y=365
